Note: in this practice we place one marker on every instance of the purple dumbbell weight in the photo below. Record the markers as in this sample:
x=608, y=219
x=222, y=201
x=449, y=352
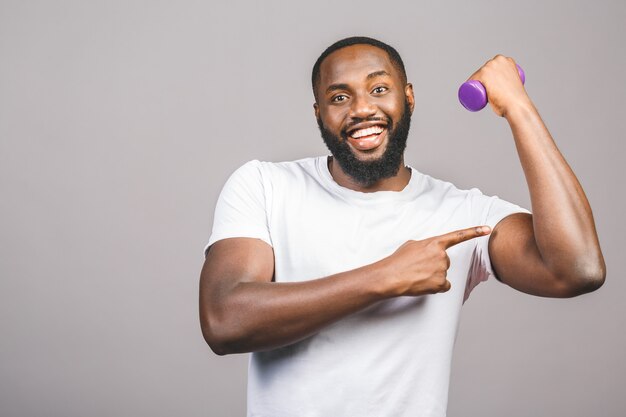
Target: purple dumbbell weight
x=473, y=96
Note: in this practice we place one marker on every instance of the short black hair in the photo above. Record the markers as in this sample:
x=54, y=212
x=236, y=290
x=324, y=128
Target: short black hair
x=394, y=56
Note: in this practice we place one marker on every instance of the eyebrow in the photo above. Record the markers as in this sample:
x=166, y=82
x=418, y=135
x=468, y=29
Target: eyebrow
x=334, y=87
x=342, y=86
x=380, y=73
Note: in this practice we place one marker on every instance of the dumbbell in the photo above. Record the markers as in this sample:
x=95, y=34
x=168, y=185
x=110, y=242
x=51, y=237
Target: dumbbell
x=472, y=93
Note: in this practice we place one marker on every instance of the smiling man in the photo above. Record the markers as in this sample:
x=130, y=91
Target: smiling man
x=345, y=274
x=371, y=140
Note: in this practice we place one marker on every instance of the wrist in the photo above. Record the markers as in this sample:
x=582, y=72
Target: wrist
x=378, y=275
x=519, y=110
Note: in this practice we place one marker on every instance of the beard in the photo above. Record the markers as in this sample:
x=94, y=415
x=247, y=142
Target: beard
x=367, y=173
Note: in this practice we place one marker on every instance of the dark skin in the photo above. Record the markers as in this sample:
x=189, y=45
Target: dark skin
x=356, y=85
x=553, y=253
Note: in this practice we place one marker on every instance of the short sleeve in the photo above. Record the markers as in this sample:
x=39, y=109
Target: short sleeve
x=493, y=210
x=241, y=207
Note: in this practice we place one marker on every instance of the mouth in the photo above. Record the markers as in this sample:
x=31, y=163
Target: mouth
x=366, y=138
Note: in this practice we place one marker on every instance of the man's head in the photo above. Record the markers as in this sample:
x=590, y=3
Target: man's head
x=363, y=107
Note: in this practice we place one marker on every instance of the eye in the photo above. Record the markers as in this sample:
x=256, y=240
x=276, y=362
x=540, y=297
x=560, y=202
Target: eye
x=339, y=98
x=379, y=90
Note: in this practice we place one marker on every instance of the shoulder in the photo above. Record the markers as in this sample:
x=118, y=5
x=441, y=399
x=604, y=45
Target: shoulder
x=278, y=171
x=291, y=168
x=484, y=207
x=446, y=189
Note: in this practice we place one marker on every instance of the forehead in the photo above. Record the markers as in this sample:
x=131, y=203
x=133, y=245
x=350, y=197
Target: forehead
x=353, y=63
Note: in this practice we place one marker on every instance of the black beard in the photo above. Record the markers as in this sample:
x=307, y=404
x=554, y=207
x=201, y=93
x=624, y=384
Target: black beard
x=367, y=173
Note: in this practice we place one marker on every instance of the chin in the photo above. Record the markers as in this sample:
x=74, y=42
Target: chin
x=370, y=155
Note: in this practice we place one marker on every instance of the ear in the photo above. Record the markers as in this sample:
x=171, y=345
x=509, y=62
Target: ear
x=410, y=98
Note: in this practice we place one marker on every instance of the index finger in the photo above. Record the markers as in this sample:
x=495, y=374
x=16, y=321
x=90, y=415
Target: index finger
x=458, y=236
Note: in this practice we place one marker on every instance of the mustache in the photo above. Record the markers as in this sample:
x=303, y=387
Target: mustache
x=355, y=121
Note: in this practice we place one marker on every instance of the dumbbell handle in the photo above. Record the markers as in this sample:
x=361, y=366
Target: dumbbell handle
x=472, y=93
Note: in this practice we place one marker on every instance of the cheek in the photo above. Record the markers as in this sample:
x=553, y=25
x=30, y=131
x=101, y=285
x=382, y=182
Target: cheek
x=333, y=119
x=393, y=108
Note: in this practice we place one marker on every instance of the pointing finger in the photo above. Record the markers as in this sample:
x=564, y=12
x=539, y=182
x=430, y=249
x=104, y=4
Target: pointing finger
x=456, y=237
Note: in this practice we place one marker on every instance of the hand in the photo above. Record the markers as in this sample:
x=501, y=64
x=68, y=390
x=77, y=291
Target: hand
x=420, y=267
x=502, y=83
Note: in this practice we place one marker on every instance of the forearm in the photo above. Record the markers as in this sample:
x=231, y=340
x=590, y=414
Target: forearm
x=257, y=316
x=563, y=223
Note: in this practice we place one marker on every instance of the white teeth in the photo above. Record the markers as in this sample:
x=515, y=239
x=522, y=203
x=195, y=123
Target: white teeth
x=374, y=130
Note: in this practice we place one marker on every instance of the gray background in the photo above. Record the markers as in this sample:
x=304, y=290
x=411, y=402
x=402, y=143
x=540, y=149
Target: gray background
x=121, y=120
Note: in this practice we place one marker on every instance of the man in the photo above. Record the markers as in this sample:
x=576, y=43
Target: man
x=344, y=275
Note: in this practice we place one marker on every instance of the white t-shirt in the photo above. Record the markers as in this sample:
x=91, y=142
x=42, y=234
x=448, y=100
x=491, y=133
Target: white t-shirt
x=393, y=358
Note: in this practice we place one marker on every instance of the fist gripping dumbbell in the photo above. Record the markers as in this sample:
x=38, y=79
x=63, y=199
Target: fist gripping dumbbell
x=472, y=93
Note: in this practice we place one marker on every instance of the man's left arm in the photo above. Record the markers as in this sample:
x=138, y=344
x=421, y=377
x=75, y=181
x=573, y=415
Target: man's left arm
x=555, y=252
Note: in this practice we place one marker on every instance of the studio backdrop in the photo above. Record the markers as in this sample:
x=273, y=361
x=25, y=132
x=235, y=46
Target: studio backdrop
x=121, y=120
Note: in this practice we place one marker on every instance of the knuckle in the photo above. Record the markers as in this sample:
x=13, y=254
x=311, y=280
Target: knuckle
x=440, y=278
x=436, y=246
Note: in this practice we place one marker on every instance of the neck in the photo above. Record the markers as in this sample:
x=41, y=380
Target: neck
x=396, y=183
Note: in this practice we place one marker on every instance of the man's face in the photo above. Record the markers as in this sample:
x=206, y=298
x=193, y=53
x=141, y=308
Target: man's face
x=363, y=110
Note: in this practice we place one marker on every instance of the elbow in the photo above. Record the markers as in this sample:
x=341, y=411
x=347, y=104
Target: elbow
x=217, y=346
x=584, y=279
x=216, y=340
x=221, y=336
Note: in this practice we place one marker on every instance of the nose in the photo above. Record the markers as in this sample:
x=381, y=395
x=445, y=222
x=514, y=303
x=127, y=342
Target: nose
x=362, y=107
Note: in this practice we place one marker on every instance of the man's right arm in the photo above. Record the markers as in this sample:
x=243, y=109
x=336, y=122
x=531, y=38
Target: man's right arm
x=243, y=310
